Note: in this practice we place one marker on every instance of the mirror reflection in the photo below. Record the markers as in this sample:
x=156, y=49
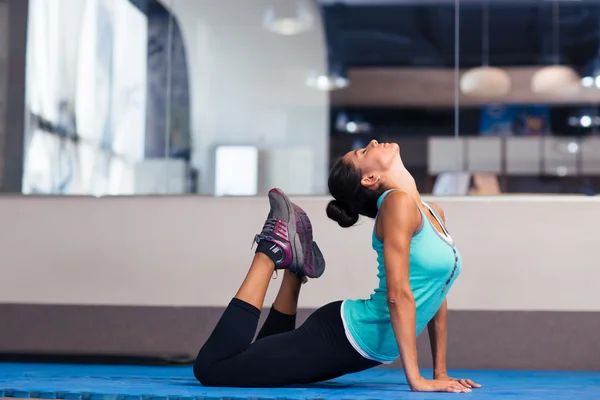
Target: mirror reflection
x=230, y=98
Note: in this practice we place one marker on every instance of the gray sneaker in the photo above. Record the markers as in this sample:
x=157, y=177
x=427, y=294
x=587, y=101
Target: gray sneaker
x=288, y=228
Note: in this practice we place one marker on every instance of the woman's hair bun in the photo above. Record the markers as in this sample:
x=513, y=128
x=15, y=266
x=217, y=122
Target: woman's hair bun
x=341, y=213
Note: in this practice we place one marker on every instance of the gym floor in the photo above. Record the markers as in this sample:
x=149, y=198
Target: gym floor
x=101, y=382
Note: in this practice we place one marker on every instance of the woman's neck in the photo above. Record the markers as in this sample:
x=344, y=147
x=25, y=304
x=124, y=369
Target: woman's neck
x=404, y=181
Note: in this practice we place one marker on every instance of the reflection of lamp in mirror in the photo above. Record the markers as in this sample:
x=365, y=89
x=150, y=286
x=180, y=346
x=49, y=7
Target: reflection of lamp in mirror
x=485, y=81
x=556, y=79
x=591, y=73
x=327, y=82
x=562, y=171
x=589, y=81
x=336, y=78
x=345, y=124
x=288, y=18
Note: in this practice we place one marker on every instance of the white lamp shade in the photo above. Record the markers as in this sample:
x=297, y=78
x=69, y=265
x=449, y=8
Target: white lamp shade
x=555, y=80
x=289, y=17
x=486, y=82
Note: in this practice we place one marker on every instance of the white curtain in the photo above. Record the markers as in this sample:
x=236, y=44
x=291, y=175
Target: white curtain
x=85, y=59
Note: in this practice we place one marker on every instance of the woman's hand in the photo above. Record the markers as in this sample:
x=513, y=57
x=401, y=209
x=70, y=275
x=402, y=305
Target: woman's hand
x=439, y=385
x=464, y=382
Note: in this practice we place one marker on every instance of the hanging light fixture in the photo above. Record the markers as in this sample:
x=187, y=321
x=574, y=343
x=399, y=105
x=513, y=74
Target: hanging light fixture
x=288, y=18
x=336, y=78
x=485, y=81
x=591, y=73
x=556, y=79
x=335, y=75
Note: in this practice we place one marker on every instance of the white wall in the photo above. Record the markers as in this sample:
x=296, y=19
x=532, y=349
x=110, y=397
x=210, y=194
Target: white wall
x=520, y=253
x=248, y=85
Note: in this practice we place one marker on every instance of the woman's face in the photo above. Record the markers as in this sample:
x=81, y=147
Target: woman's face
x=375, y=160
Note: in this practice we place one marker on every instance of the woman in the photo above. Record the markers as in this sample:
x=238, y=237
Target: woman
x=418, y=264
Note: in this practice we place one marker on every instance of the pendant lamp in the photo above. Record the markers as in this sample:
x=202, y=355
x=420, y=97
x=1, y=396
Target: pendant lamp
x=555, y=79
x=288, y=18
x=485, y=81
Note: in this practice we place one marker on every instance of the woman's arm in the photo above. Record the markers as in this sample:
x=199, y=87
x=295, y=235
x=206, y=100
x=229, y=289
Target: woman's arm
x=399, y=218
x=438, y=339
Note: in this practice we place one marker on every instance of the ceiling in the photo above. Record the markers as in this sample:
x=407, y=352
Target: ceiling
x=396, y=33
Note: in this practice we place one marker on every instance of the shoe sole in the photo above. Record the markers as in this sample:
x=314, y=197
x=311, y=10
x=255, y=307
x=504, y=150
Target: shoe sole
x=314, y=262
x=306, y=230
x=319, y=260
x=295, y=242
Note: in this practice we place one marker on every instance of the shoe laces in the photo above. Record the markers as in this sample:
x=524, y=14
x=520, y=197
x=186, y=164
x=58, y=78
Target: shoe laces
x=269, y=225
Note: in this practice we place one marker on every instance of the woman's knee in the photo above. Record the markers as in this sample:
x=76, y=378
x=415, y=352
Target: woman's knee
x=214, y=375
x=202, y=371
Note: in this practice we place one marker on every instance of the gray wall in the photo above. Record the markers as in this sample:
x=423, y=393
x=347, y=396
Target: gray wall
x=150, y=275
x=13, y=34
x=4, y=43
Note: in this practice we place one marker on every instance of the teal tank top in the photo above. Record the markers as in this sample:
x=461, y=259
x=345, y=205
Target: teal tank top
x=435, y=263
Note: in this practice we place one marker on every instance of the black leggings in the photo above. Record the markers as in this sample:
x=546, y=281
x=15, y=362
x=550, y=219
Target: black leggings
x=281, y=355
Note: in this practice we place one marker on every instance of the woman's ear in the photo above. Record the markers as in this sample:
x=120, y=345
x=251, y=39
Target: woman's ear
x=370, y=181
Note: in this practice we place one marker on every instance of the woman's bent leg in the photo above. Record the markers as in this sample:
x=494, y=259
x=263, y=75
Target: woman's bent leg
x=316, y=351
x=237, y=326
x=282, y=316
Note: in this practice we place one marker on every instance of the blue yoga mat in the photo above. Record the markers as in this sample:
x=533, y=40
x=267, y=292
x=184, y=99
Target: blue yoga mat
x=94, y=382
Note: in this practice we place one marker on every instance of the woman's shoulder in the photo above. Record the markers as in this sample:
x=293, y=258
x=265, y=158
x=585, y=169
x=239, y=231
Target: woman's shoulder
x=397, y=198
x=399, y=206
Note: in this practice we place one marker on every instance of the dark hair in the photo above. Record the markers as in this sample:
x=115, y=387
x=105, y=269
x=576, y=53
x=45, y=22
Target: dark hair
x=352, y=199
